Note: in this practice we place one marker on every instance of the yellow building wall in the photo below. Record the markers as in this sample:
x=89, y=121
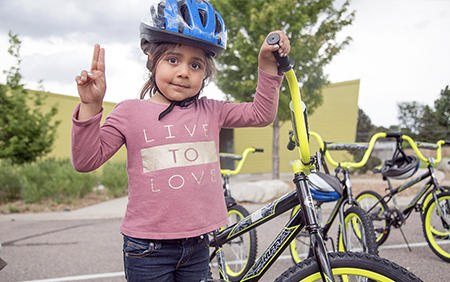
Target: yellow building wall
x=335, y=120
x=66, y=105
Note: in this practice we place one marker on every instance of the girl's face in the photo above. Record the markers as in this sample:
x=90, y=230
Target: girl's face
x=179, y=73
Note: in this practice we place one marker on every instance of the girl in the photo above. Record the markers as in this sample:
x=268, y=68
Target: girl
x=175, y=196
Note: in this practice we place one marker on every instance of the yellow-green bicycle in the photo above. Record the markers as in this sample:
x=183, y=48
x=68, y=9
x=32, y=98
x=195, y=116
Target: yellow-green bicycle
x=322, y=266
x=356, y=231
x=432, y=201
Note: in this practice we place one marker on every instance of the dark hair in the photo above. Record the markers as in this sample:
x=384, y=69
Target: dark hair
x=157, y=51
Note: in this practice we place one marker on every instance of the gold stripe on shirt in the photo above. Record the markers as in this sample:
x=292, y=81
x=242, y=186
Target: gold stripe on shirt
x=178, y=155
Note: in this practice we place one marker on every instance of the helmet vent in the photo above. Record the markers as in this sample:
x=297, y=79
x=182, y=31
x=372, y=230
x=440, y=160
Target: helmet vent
x=159, y=18
x=185, y=14
x=203, y=16
x=218, y=28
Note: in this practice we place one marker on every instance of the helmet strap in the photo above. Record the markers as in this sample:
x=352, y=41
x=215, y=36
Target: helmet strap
x=184, y=103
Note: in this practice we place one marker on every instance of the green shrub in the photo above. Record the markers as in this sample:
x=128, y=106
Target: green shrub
x=56, y=180
x=10, y=187
x=114, y=177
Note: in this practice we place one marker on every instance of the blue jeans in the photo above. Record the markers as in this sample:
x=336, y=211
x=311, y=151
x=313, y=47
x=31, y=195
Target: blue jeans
x=166, y=260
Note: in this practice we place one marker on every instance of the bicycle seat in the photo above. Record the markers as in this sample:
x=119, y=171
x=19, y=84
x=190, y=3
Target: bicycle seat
x=324, y=187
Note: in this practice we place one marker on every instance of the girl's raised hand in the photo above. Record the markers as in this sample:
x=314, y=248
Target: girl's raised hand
x=266, y=60
x=92, y=85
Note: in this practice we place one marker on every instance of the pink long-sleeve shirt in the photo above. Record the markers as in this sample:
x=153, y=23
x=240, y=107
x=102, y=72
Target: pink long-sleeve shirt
x=174, y=180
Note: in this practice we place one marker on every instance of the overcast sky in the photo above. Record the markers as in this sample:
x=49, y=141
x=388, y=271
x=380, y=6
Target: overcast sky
x=400, y=48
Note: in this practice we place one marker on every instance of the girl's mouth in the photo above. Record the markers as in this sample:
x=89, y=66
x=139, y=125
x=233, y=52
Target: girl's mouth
x=180, y=85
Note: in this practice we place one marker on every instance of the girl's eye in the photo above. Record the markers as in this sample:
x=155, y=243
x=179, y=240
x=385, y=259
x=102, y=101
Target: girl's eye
x=196, y=66
x=172, y=60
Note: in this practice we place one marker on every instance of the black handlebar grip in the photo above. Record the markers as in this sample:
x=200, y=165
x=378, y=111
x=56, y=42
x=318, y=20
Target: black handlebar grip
x=447, y=142
x=393, y=134
x=259, y=150
x=284, y=63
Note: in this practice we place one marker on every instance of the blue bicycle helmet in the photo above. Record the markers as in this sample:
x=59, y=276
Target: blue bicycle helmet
x=191, y=22
x=324, y=187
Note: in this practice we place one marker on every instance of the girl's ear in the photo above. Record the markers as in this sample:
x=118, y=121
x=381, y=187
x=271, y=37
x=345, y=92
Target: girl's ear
x=149, y=61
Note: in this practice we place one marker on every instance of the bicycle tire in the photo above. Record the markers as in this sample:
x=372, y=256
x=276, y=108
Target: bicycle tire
x=240, y=253
x=360, y=232
x=436, y=234
x=352, y=266
x=371, y=200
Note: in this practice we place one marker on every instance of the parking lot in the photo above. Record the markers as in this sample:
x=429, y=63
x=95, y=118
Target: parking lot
x=86, y=246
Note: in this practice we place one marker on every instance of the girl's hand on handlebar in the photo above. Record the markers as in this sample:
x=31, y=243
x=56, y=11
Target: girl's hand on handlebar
x=266, y=60
x=92, y=85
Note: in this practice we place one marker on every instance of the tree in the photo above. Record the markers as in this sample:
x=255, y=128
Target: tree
x=442, y=113
x=364, y=127
x=25, y=132
x=311, y=26
x=409, y=116
x=424, y=123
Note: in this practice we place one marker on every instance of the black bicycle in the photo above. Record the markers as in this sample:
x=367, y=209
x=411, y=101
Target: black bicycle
x=432, y=201
x=322, y=265
x=356, y=231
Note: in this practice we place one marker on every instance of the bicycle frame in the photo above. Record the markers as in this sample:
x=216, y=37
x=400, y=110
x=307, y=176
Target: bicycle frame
x=432, y=182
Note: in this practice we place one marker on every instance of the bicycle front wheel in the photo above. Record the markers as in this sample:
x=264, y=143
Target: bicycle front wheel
x=240, y=253
x=372, y=203
x=350, y=267
x=359, y=232
x=436, y=223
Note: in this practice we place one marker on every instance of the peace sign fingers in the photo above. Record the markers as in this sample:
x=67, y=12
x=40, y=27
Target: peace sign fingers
x=98, y=59
x=92, y=85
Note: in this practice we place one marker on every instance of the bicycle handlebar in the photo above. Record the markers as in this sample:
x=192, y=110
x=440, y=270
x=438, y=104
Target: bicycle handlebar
x=415, y=146
x=369, y=148
x=236, y=157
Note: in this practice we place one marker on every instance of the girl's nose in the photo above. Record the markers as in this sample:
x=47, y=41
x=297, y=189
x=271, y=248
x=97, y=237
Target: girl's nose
x=183, y=70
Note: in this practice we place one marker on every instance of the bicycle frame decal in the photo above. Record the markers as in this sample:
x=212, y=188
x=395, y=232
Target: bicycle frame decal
x=263, y=213
x=271, y=253
x=221, y=264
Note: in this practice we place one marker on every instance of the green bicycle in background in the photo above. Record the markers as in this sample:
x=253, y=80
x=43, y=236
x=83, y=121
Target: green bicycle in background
x=356, y=231
x=435, y=204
